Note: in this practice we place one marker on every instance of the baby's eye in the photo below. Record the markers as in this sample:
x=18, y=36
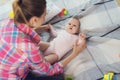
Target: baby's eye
x=69, y=23
x=74, y=25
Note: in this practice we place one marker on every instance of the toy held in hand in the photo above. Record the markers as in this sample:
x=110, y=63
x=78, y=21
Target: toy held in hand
x=64, y=12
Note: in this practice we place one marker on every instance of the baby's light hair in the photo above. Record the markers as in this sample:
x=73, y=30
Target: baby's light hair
x=77, y=18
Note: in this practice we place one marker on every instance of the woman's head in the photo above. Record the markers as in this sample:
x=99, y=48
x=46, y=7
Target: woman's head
x=73, y=26
x=30, y=12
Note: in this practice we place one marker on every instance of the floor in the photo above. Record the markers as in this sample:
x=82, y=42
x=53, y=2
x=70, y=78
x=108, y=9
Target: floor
x=3, y=1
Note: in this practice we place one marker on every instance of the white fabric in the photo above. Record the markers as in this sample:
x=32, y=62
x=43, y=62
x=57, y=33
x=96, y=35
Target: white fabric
x=100, y=57
x=101, y=54
x=113, y=12
x=61, y=44
x=52, y=10
x=96, y=21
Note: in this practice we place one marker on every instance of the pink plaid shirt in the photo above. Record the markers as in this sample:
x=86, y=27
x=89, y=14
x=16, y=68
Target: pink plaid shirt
x=19, y=51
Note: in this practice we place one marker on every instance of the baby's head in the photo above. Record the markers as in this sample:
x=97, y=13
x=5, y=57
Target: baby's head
x=73, y=26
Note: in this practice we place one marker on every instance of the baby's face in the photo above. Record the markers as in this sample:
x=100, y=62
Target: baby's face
x=72, y=26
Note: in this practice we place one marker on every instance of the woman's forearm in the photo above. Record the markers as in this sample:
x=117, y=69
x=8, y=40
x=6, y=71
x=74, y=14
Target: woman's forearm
x=65, y=61
x=77, y=49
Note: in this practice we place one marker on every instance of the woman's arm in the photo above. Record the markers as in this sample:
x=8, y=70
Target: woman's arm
x=42, y=67
x=77, y=49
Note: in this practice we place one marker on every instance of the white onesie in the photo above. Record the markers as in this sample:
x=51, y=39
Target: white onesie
x=61, y=44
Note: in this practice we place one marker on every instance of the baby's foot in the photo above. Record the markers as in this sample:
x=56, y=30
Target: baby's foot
x=52, y=31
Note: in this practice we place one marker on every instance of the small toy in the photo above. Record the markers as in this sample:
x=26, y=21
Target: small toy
x=109, y=76
x=11, y=14
x=68, y=77
x=63, y=12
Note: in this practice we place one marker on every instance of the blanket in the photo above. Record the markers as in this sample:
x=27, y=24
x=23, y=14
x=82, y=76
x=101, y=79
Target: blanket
x=100, y=56
x=99, y=21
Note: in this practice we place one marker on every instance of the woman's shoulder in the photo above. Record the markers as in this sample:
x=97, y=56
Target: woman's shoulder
x=6, y=22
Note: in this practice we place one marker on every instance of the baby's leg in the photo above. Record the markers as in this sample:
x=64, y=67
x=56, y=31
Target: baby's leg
x=51, y=58
x=43, y=45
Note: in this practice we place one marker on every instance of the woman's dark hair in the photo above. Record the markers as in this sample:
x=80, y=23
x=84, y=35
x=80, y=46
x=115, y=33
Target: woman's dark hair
x=25, y=9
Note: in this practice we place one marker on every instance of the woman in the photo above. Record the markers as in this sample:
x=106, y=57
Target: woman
x=19, y=43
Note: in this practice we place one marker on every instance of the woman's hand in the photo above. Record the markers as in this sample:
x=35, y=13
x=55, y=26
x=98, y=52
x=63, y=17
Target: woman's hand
x=43, y=28
x=79, y=47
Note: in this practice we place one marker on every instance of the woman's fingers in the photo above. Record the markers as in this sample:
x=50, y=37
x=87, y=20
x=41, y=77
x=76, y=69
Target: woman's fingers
x=79, y=47
x=75, y=44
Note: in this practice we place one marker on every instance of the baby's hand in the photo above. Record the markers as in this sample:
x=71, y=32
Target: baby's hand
x=81, y=38
x=46, y=27
x=78, y=48
x=49, y=25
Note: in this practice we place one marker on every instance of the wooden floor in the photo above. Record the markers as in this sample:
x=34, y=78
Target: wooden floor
x=118, y=1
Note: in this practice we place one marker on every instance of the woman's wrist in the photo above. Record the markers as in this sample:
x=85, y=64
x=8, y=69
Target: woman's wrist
x=65, y=61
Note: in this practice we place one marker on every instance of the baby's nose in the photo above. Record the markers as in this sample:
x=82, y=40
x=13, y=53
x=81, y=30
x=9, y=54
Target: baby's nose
x=71, y=26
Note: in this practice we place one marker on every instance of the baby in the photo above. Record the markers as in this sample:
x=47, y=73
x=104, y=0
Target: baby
x=64, y=41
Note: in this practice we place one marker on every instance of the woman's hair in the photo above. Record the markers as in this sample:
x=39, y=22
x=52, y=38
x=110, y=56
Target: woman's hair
x=25, y=9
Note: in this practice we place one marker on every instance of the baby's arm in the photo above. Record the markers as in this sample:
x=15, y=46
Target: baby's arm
x=52, y=31
x=46, y=28
x=81, y=37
